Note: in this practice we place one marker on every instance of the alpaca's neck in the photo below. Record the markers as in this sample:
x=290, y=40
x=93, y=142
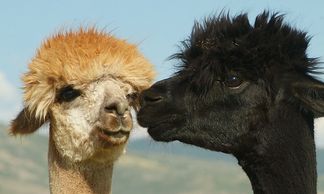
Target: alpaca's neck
x=81, y=178
x=282, y=158
x=289, y=174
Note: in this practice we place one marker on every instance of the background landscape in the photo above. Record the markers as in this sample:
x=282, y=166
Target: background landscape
x=157, y=27
x=147, y=168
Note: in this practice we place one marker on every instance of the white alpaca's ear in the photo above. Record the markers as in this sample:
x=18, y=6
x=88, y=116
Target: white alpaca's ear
x=25, y=123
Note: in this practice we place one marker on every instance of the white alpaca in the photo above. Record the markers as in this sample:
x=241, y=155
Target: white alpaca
x=84, y=83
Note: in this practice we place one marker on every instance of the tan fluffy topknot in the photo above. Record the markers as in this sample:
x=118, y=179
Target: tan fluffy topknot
x=78, y=57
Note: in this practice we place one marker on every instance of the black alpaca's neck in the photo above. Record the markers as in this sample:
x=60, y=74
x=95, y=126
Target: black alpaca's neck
x=282, y=160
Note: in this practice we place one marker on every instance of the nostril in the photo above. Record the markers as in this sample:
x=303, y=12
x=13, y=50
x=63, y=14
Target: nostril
x=153, y=99
x=116, y=108
x=111, y=108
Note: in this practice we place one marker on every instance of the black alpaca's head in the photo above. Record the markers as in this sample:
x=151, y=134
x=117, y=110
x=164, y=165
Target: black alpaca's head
x=232, y=77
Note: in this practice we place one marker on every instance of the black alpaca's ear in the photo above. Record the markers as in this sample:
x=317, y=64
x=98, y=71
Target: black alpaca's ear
x=311, y=94
x=25, y=123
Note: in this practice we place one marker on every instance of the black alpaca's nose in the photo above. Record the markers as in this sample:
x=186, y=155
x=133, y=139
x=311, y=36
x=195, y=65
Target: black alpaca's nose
x=150, y=98
x=156, y=94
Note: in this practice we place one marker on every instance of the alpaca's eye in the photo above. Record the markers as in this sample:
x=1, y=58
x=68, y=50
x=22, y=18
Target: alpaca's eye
x=132, y=96
x=233, y=81
x=67, y=94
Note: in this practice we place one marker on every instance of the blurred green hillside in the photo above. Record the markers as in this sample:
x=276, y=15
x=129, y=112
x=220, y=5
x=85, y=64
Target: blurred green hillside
x=147, y=168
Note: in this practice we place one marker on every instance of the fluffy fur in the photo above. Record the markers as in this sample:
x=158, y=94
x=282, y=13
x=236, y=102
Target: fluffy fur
x=84, y=83
x=244, y=89
x=80, y=57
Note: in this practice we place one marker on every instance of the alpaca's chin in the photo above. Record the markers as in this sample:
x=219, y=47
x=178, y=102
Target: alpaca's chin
x=163, y=132
x=161, y=128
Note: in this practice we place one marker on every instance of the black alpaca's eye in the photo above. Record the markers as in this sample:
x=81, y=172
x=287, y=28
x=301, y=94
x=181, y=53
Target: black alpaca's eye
x=233, y=81
x=67, y=94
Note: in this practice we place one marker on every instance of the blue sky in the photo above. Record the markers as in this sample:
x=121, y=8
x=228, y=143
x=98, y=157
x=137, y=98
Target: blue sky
x=157, y=26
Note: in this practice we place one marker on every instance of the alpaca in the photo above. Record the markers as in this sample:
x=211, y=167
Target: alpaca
x=84, y=83
x=244, y=90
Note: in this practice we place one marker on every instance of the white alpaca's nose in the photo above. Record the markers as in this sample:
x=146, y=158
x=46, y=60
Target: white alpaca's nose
x=117, y=107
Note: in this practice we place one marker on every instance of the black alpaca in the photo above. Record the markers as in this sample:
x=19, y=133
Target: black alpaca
x=245, y=90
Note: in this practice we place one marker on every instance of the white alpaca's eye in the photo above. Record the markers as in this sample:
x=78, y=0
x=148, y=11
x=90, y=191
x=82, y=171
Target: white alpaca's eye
x=68, y=93
x=132, y=96
x=233, y=81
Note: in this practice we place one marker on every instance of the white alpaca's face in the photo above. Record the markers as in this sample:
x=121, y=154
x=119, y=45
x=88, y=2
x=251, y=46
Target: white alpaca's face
x=92, y=121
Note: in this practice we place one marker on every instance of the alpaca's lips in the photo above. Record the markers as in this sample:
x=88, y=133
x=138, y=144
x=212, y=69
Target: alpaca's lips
x=114, y=137
x=115, y=134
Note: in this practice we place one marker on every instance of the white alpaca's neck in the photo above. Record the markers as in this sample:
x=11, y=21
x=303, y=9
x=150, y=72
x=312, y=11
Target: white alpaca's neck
x=79, y=178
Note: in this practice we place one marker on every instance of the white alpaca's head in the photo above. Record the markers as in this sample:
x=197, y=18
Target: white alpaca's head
x=90, y=120
x=84, y=83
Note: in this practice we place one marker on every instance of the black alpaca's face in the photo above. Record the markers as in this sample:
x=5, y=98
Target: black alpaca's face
x=231, y=74
x=214, y=116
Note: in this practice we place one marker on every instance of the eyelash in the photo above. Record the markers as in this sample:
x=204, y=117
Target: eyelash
x=68, y=94
x=131, y=97
x=233, y=82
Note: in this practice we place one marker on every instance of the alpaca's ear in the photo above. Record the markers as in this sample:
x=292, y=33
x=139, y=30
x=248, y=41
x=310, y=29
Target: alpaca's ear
x=25, y=123
x=311, y=94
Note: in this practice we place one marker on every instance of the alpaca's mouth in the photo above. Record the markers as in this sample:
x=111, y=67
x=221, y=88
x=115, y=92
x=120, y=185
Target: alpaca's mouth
x=116, y=134
x=113, y=137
